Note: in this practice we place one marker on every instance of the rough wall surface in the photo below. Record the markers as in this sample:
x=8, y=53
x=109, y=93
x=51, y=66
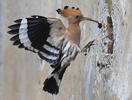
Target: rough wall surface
x=104, y=74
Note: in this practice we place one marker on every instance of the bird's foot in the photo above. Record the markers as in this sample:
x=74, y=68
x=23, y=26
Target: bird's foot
x=86, y=48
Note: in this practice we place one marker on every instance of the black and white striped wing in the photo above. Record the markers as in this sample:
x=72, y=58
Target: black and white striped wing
x=36, y=34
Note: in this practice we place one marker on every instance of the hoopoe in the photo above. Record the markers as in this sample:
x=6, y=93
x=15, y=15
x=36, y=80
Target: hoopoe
x=52, y=41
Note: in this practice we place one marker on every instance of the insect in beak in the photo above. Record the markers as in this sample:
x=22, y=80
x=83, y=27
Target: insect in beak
x=86, y=18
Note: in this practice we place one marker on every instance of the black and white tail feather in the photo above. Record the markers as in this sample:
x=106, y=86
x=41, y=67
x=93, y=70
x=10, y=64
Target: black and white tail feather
x=37, y=34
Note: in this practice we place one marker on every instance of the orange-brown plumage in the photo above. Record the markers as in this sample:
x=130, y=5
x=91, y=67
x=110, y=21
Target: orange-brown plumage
x=74, y=16
x=74, y=33
x=70, y=11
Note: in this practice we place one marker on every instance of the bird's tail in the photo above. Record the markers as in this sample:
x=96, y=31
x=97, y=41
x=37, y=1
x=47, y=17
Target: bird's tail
x=52, y=83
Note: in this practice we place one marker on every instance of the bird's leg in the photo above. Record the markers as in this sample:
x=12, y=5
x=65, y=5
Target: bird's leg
x=86, y=48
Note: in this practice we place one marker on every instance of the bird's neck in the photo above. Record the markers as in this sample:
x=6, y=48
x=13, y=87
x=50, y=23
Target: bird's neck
x=74, y=33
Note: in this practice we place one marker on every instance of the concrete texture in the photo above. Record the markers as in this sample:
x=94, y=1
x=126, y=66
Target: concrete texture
x=104, y=74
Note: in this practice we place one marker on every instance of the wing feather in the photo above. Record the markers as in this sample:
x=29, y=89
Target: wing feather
x=34, y=34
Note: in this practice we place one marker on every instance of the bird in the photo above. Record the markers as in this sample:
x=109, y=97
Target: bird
x=52, y=41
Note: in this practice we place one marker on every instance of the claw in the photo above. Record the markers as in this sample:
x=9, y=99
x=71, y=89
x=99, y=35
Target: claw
x=87, y=47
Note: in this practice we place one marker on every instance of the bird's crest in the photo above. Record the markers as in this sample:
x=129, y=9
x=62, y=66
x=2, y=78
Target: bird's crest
x=67, y=11
x=73, y=14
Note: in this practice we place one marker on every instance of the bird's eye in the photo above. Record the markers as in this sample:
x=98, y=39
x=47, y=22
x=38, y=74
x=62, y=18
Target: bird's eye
x=77, y=16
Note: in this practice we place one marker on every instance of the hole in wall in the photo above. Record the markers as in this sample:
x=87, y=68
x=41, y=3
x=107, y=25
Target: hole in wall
x=109, y=21
x=110, y=28
x=110, y=35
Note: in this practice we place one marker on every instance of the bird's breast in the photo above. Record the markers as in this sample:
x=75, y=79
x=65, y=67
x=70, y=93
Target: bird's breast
x=69, y=52
x=73, y=33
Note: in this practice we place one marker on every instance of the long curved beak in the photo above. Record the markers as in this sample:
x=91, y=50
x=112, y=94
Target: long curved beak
x=89, y=19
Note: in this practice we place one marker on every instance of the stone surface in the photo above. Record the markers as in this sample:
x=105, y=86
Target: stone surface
x=104, y=74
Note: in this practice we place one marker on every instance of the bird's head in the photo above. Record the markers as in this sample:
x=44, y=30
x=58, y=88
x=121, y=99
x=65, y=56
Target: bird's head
x=74, y=15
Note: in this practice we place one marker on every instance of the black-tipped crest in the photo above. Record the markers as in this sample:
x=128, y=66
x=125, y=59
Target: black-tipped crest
x=73, y=7
x=66, y=7
x=59, y=11
x=77, y=9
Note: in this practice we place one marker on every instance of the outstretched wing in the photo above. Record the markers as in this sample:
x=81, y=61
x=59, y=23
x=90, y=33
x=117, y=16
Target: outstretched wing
x=39, y=34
